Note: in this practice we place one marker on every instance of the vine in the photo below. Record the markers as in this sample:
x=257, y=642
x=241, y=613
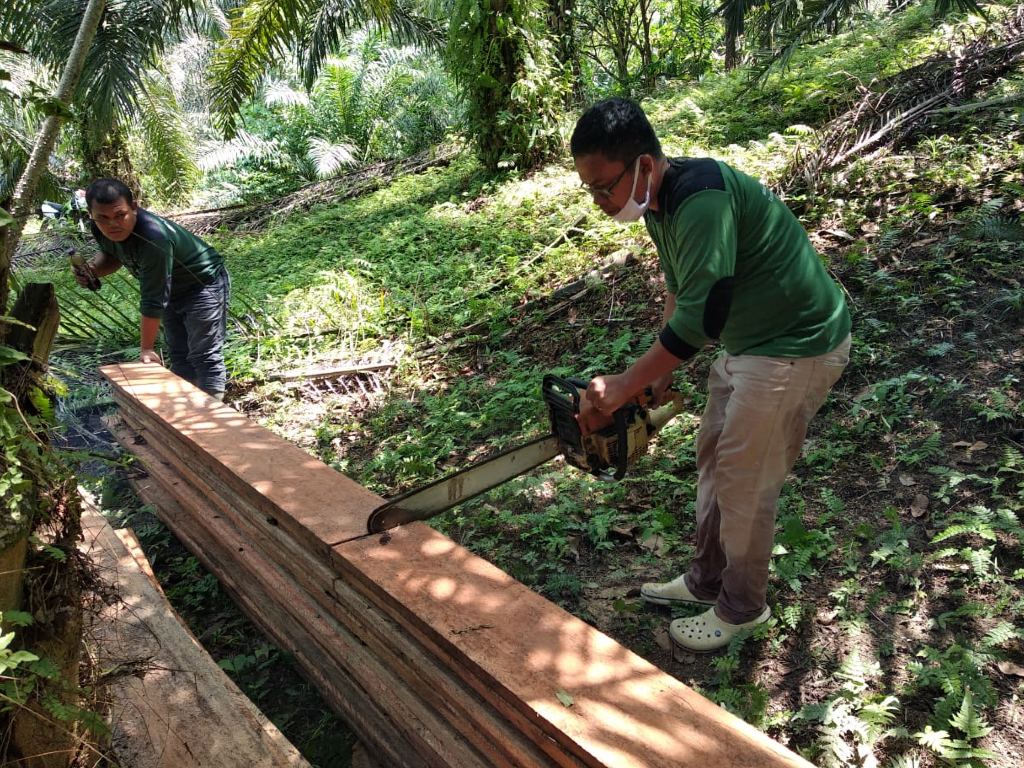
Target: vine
x=501, y=54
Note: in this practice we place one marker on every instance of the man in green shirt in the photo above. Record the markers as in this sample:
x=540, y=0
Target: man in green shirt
x=182, y=282
x=739, y=269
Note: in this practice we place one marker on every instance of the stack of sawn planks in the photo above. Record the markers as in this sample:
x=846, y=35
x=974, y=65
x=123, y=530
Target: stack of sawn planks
x=434, y=656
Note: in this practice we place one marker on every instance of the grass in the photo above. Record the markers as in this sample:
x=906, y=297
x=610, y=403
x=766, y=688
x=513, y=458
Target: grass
x=898, y=569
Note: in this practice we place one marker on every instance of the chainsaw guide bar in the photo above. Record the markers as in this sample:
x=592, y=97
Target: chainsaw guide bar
x=616, y=445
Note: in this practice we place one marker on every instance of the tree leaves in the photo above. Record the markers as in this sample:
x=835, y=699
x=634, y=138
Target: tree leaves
x=9, y=355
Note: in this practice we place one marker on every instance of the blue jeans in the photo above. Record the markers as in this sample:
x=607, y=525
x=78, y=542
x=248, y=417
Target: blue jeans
x=194, y=328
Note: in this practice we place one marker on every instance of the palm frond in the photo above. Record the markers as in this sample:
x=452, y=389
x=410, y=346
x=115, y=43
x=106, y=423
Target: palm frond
x=266, y=31
x=339, y=81
x=106, y=316
x=244, y=146
x=946, y=7
x=210, y=19
x=259, y=36
x=326, y=29
x=279, y=92
x=331, y=158
x=734, y=14
x=168, y=141
x=20, y=21
x=186, y=64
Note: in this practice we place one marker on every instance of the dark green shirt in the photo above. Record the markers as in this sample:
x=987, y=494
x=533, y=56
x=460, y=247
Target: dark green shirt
x=741, y=267
x=168, y=260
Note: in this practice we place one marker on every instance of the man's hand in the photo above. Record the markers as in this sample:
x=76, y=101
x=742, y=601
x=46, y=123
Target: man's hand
x=608, y=393
x=81, y=276
x=150, y=356
x=659, y=387
x=589, y=418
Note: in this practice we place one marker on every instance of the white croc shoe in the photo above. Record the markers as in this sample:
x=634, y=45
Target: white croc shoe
x=707, y=632
x=671, y=593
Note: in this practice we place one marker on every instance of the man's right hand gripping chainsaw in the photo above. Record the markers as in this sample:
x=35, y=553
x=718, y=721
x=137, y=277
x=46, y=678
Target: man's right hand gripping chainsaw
x=608, y=451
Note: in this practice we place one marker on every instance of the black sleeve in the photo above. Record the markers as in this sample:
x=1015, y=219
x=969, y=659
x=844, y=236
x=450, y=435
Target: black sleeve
x=675, y=345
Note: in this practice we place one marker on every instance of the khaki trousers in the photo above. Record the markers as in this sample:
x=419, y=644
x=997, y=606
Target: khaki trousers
x=750, y=436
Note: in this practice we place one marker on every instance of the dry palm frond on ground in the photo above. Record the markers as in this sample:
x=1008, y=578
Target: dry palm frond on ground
x=886, y=112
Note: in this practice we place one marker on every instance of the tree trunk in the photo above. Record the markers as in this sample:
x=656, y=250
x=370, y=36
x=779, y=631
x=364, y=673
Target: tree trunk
x=731, y=53
x=107, y=156
x=25, y=192
x=562, y=23
x=646, y=49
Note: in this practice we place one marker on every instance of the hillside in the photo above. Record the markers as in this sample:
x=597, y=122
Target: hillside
x=897, y=635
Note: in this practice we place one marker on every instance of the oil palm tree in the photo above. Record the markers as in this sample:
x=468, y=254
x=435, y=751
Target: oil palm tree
x=264, y=33
x=122, y=86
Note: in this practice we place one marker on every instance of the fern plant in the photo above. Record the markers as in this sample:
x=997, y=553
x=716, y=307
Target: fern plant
x=960, y=747
x=853, y=722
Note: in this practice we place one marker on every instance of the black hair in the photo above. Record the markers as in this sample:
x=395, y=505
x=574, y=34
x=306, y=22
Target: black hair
x=618, y=129
x=107, y=191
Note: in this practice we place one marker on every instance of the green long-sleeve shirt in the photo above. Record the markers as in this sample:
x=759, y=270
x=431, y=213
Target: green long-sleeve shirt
x=741, y=267
x=168, y=260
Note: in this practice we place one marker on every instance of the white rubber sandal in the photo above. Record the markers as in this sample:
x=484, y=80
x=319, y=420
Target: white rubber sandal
x=671, y=593
x=707, y=632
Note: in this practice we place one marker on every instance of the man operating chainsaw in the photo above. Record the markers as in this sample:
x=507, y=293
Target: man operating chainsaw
x=739, y=269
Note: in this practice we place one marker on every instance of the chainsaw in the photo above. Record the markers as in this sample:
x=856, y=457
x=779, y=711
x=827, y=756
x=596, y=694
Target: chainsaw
x=607, y=452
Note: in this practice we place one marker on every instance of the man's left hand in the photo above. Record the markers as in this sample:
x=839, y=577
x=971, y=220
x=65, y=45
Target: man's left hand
x=150, y=356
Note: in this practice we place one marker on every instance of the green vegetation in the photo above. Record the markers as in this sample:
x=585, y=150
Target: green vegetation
x=898, y=560
x=897, y=637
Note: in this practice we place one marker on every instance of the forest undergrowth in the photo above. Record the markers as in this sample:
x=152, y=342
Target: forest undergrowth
x=897, y=634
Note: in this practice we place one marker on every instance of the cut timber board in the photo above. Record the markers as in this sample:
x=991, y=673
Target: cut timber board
x=375, y=700
x=171, y=706
x=359, y=640
x=507, y=642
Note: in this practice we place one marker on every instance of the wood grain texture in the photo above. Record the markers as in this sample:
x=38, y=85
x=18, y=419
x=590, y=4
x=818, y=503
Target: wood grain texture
x=500, y=641
x=440, y=690
x=394, y=724
x=172, y=706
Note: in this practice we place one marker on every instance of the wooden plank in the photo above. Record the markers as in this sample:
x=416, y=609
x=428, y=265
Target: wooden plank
x=512, y=646
x=355, y=681
x=290, y=630
x=625, y=711
x=439, y=687
x=173, y=707
x=257, y=463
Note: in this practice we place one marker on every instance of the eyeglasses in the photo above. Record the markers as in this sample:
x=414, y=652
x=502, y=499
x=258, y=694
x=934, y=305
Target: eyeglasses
x=117, y=218
x=606, y=192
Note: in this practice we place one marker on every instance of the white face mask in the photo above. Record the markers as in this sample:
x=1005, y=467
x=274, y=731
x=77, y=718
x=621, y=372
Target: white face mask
x=633, y=210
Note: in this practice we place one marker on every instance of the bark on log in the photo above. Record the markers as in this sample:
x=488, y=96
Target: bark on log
x=171, y=706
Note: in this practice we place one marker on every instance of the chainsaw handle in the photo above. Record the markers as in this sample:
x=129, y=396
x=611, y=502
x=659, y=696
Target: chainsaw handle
x=622, y=459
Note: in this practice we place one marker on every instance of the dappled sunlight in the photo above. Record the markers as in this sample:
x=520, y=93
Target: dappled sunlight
x=343, y=299
x=616, y=705
x=593, y=697
x=261, y=463
x=169, y=704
